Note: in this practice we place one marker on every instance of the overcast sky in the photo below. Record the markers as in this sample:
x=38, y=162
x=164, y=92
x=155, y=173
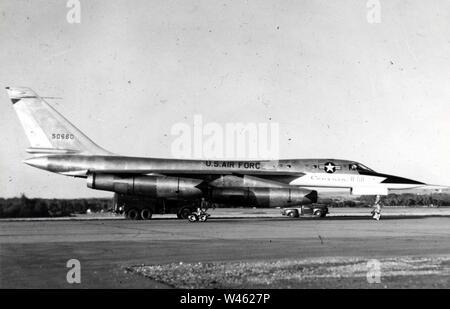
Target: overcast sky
x=339, y=86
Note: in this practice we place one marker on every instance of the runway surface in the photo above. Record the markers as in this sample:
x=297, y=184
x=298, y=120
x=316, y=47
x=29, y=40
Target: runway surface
x=34, y=254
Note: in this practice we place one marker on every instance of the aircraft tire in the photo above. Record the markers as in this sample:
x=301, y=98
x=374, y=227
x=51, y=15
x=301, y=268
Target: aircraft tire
x=132, y=214
x=146, y=214
x=184, y=213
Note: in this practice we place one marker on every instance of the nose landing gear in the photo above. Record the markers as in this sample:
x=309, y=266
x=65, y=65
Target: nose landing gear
x=376, y=212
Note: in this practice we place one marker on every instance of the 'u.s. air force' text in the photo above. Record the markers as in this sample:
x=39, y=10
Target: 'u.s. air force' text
x=234, y=164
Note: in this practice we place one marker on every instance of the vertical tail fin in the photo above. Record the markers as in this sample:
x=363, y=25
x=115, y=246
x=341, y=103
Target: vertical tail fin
x=46, y=129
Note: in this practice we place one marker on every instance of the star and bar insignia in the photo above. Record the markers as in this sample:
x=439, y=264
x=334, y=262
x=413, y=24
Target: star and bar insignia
x=330, y=167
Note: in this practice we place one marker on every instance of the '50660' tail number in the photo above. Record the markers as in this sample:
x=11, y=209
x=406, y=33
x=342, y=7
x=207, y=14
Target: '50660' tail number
x=62, y=136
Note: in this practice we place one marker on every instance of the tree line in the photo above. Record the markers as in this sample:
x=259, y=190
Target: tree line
x=410, y=199
x=22, y=207
x=38, y=207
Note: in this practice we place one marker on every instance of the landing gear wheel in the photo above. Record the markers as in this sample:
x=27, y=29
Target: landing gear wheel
x=376, y=212
x=146, y=214
x=203, y=218
x=132, y=214
x=184, y=213
x=193, y=218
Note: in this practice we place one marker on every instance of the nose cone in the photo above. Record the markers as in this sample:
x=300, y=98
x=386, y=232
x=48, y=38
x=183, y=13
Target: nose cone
x=39, y=162
x=395, y=182
x=390, y=179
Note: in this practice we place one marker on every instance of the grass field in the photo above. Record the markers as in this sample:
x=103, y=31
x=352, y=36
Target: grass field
x=301, y=273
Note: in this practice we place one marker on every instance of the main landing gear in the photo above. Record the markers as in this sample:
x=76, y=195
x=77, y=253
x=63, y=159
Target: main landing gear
x=200, y=215
x=376, y=212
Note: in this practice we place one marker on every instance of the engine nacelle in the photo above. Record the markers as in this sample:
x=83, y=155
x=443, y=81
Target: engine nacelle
x=153, y=186
x=264, y=197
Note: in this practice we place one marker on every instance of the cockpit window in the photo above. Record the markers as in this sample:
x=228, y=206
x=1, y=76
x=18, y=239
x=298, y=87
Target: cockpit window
x=360, y=166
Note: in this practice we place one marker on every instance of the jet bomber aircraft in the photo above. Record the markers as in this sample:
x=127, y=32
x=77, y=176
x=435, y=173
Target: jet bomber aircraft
x=59, y=147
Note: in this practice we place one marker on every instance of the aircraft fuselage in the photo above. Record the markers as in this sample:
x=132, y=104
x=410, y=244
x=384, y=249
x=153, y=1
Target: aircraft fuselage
x=332, y=173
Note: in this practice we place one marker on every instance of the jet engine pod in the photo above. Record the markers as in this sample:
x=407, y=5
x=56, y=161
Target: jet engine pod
x=153, y=186
x=264, y=197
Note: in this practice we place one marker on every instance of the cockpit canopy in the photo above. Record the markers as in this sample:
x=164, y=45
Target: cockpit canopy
x=355, y=166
